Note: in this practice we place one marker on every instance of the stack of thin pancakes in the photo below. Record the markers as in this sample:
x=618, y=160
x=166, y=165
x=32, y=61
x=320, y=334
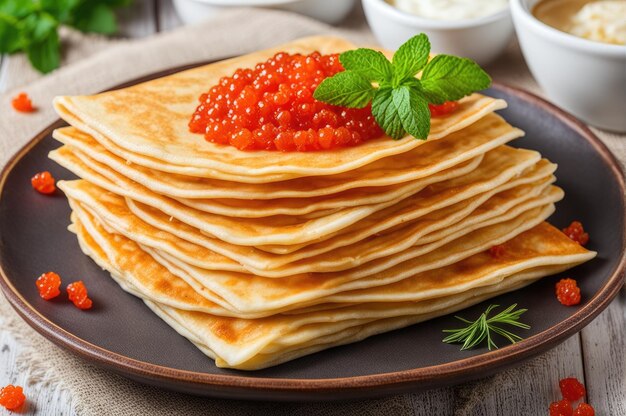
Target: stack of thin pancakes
x=262, y=257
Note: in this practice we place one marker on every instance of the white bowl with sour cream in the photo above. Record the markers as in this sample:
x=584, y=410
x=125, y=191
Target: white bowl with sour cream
x=585, y=77
x=329, y=11
x=476, y=29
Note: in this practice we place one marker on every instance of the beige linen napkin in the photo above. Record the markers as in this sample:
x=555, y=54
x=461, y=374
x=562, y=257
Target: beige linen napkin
x=98, y=392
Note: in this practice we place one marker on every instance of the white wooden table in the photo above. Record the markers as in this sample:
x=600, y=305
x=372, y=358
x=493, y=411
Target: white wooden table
x=596, y=356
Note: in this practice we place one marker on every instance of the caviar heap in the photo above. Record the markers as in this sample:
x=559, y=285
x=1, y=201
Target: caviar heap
x=22, y=103
x=576, y=232
x=271, y=107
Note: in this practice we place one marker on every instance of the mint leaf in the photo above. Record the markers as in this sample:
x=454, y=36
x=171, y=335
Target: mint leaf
x=60, y=9
x=38, y=26
x=386, y=114
x=410, y=58
x=413, y=111
x=370, y=64
x=45, y=55
x=10, y=35
x=98, y=18
x=347, y=89
x=450, y=78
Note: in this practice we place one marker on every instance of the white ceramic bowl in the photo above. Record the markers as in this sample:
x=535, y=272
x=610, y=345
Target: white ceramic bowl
x=329, y=11
x=481, y=39
x=586, y=78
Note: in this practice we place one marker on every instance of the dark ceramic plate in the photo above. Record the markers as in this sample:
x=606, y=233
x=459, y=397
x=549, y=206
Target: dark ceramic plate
x=122, y=334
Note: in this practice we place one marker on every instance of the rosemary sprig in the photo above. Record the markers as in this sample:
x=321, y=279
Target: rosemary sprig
x=479, y=330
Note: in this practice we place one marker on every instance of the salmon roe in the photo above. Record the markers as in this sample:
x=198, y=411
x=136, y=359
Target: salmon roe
x=568, y=292
x=571, y=388
x=443, y=109
x=22, y=103
x=271, y=107
x=43, y=182
x=561, y=408
x=576, y=232
x=77, y=293
x=584, y=409
x=12, y=397
x=48, y=285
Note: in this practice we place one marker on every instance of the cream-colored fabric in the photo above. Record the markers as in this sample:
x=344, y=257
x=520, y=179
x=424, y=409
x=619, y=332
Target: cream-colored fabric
x=96, y=391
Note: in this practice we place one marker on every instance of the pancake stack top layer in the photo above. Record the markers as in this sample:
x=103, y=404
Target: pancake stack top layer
x=262, y=257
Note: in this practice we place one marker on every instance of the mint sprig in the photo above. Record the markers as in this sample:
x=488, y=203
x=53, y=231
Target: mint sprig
x=399, y=99
x=31, y=26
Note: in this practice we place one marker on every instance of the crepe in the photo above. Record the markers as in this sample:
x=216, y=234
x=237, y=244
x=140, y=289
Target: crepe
x=496, y=168
x=151, y=120
x=424, y=161
x=239, y=343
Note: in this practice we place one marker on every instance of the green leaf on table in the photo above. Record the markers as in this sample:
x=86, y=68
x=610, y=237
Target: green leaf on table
x=450, y=78
x=410, y=58
x=347, y=89
x=45, y=55
x=98, y=18
x=60, y=9
x=38, y=26
x=11, y=39
x=370, y=64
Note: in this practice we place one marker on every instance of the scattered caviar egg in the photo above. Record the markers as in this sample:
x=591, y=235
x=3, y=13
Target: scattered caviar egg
x=572, y=389
x=568, y=292
x=271, y=107
x=443, y=109
x=561, y=408
x=48, y=285
x=584, y=409
x=22, y=103
x=43, y=182
x=576, y=232
x=77, y=293
x=497, y=251
x=12, y=397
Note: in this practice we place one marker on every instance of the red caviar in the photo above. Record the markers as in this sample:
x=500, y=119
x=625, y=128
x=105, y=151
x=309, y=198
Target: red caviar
x=572, y=389
x=12, y=397
x=443, y=109
x=568, y=292
x=497, y=251
x=584, y=409
x=22, y=103
x=576, y=232
x=561, y=408
x=48, y=285
x=43, y=182
x=77, y=293
x=271, y=107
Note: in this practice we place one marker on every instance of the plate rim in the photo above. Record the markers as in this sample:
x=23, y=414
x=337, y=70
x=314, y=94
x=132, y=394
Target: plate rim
x=439, y=374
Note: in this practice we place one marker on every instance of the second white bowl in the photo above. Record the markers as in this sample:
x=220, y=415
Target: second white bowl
x=481, y=39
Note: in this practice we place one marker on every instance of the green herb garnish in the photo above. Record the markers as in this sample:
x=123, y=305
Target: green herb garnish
x=31, y=26
x=399, y=99
x=479, y=330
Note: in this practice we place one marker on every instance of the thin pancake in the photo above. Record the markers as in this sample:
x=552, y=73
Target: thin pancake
x=497, y=167
x=236, y=341
x=426, y=160
x=151, y=119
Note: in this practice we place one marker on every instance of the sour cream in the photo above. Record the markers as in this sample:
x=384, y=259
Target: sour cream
x=450, y=9
x=602, y=21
